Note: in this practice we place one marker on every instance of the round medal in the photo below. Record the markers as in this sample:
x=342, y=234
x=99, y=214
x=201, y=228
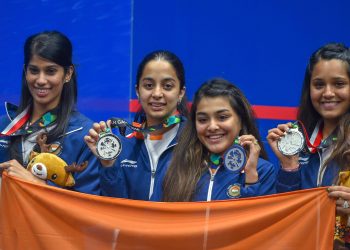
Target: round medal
x=108, y=146
x=292, y=143
x=235, y=158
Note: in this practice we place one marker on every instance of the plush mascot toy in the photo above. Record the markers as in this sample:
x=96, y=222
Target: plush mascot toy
x=48, y=166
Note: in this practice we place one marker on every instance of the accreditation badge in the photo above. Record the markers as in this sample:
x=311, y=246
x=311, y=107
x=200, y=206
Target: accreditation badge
x=235, y=158
x=108, y=146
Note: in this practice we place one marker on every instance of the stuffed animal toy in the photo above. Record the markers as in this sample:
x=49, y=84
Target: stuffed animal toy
x=48, y=166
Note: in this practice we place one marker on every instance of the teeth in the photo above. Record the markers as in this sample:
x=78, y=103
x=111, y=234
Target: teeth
x=215, y=136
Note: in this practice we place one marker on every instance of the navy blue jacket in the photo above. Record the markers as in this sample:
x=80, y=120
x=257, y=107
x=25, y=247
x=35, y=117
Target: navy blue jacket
x=307, y=175
x=230, y=185
x=74, y=149
x=131, y=176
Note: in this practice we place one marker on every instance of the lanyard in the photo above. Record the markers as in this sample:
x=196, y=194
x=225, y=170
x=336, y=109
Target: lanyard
x=139, y=130
x=315, y=141
x=15, y=127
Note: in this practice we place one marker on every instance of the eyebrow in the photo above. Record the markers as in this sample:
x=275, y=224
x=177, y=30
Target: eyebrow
x=216, y=112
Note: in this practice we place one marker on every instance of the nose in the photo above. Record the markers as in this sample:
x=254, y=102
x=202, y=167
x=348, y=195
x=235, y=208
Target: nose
x=157, y=92
x=328, y=91
x=213, y=126
x=41, y=78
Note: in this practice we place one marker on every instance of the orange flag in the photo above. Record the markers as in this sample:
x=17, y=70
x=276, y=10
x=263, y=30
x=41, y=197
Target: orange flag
x=43, y=217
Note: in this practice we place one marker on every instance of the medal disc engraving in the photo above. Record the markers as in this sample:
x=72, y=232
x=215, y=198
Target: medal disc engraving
x=292, y=143
x=235, y=158
x=108, y=146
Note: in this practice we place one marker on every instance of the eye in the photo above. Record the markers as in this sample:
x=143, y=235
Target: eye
x=318, y=84
x=223, y=117
x=168, y=86
x=340, y=84
x=202, y=119
x=147, y=84
x=51, y=71
x=32, y=70
x=54, y=177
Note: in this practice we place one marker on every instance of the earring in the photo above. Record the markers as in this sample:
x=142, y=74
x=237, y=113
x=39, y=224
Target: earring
x=179, y=101
x=67, y=80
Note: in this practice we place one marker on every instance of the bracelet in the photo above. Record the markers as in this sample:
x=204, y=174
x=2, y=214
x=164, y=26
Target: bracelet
x=251, y=183
x=291, y=170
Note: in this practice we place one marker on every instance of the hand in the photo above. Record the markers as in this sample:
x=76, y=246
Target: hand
x=274, y=135
x=249, y=142
x=13, y=168
x=342, y=195
x=93, y=136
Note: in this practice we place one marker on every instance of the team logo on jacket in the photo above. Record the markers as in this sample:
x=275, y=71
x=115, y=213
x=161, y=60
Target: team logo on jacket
x=234, y=191
x=55, y=148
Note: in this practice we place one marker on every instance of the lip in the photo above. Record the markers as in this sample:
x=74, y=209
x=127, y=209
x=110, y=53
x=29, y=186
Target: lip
x=41, y=92
x=329, y=105
x=215, y=138
x=157, y=106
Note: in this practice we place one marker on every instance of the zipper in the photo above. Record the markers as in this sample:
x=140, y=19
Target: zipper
x=211, y=183
x=154, y=169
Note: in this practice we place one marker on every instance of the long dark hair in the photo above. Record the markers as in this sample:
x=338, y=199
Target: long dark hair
x=308, y=114
x=56, y=47
x=187, y=166
x=175, y=61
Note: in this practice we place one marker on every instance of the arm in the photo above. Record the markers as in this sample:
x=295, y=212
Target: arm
x=266, y=182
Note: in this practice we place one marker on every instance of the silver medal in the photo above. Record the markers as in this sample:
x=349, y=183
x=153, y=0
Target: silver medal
x=108, y=146
x=235, y=158
x=292, y=143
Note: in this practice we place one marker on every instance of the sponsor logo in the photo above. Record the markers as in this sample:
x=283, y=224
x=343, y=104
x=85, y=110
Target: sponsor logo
x=304, y=160
x=128, y=163
x=4, y=144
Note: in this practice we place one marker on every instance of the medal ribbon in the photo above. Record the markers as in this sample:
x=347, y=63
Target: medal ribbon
x=137, y=129
x=312, y=147
x=14, y=128
x=217, y=159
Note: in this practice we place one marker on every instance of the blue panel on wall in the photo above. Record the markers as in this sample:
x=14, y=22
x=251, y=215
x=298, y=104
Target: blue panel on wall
x=101, y=35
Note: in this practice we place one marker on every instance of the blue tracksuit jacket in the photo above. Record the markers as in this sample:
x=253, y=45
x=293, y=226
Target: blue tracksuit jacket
x=307, y=175
x=74, y=149
x=131, y=176
x=226, y=184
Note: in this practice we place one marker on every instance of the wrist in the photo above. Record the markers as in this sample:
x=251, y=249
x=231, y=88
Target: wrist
x=290, y=169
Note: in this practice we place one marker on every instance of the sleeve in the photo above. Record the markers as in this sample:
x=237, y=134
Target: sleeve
x=288, y=181
x=112, y=181
x=88, y=181
x=266, y=183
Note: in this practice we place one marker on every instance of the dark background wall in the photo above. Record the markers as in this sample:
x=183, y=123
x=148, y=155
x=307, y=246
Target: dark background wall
x=262, y=46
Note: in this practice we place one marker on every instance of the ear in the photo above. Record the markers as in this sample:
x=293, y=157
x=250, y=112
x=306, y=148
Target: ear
x=137, y=92
x=182, y=92
x=69, y=74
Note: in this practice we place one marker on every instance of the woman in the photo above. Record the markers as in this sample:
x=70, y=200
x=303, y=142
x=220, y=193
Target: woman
x=160, y=87
x=201, y=170
x=47, y=105
x=324, y=112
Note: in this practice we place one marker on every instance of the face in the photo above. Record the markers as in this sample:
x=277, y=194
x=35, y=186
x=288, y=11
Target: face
x=159, y=91
x=330, y=89
x=217, y=124
x=45, y=81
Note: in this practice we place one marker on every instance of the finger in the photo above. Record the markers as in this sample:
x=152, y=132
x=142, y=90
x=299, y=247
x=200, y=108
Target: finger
x=103, y=125
x=88, y=139
x=93, y=133
x=339, y=194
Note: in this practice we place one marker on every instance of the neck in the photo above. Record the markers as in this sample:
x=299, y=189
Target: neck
x=328, y=127
x=38, y=112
